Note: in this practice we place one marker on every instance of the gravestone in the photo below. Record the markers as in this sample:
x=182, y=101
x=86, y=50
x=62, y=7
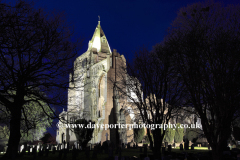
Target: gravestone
x=181, y=147
x=75, y=145
x=58, y=147
x=21, y=148
x=192, y=147
x=186, y=145
x=169, y=148
x=64, y=144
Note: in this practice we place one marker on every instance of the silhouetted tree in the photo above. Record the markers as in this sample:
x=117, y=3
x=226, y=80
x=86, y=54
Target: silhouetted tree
x=154, y=88
x=205, y=40
x=47, y=138
x=35, y=50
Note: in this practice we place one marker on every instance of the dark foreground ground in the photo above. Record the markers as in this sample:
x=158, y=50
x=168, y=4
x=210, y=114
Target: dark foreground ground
x=129, y=154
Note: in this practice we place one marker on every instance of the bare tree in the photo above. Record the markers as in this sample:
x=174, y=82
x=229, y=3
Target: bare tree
x=35, y=51
x=205, y=40
x=154, y=89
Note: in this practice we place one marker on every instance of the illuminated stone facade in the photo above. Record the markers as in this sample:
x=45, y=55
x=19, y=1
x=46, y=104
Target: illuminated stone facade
x=91, y=93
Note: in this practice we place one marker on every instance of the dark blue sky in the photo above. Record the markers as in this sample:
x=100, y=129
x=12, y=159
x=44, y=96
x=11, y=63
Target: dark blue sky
x=127, y=24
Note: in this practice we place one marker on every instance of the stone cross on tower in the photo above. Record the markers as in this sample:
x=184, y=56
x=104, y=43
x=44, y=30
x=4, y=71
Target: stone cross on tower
x=106, y=136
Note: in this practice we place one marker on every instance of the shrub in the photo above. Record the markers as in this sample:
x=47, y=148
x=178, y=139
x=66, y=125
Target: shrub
x=179, y=133
x=192, y=134
x=138, y=134
x=169, y=135
x=84, y=134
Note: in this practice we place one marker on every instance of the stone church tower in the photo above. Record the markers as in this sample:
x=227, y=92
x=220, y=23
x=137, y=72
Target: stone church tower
x=91, y=93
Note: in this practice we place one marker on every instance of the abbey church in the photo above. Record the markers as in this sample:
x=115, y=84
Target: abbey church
x=91, y=93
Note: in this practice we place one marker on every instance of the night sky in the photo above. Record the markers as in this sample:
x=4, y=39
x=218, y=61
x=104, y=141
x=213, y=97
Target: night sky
x=127, y=24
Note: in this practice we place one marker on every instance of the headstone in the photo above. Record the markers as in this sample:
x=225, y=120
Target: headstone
x=192, y=147
x=21, y=148
x=169, y=148
x=58, y=147
x=75, y=144
x=181, y=147
x=186, y=145
x=64, y=144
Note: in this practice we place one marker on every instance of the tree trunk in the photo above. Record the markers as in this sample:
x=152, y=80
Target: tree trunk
x=157, y=144
x=15, y=135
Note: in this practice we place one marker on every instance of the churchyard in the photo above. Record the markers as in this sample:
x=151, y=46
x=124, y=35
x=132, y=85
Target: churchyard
x=52, y=152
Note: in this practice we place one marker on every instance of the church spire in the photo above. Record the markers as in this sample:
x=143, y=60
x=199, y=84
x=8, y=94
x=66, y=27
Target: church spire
x=99, y=39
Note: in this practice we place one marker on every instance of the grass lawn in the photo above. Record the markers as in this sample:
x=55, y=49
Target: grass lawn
x=102, y=156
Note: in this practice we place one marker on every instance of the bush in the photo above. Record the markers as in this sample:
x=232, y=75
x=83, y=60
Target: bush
x=139, y=134
x=192, y=134
x=147, y=141
x=84, y=135
x=179, y=133
x=169, y=135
